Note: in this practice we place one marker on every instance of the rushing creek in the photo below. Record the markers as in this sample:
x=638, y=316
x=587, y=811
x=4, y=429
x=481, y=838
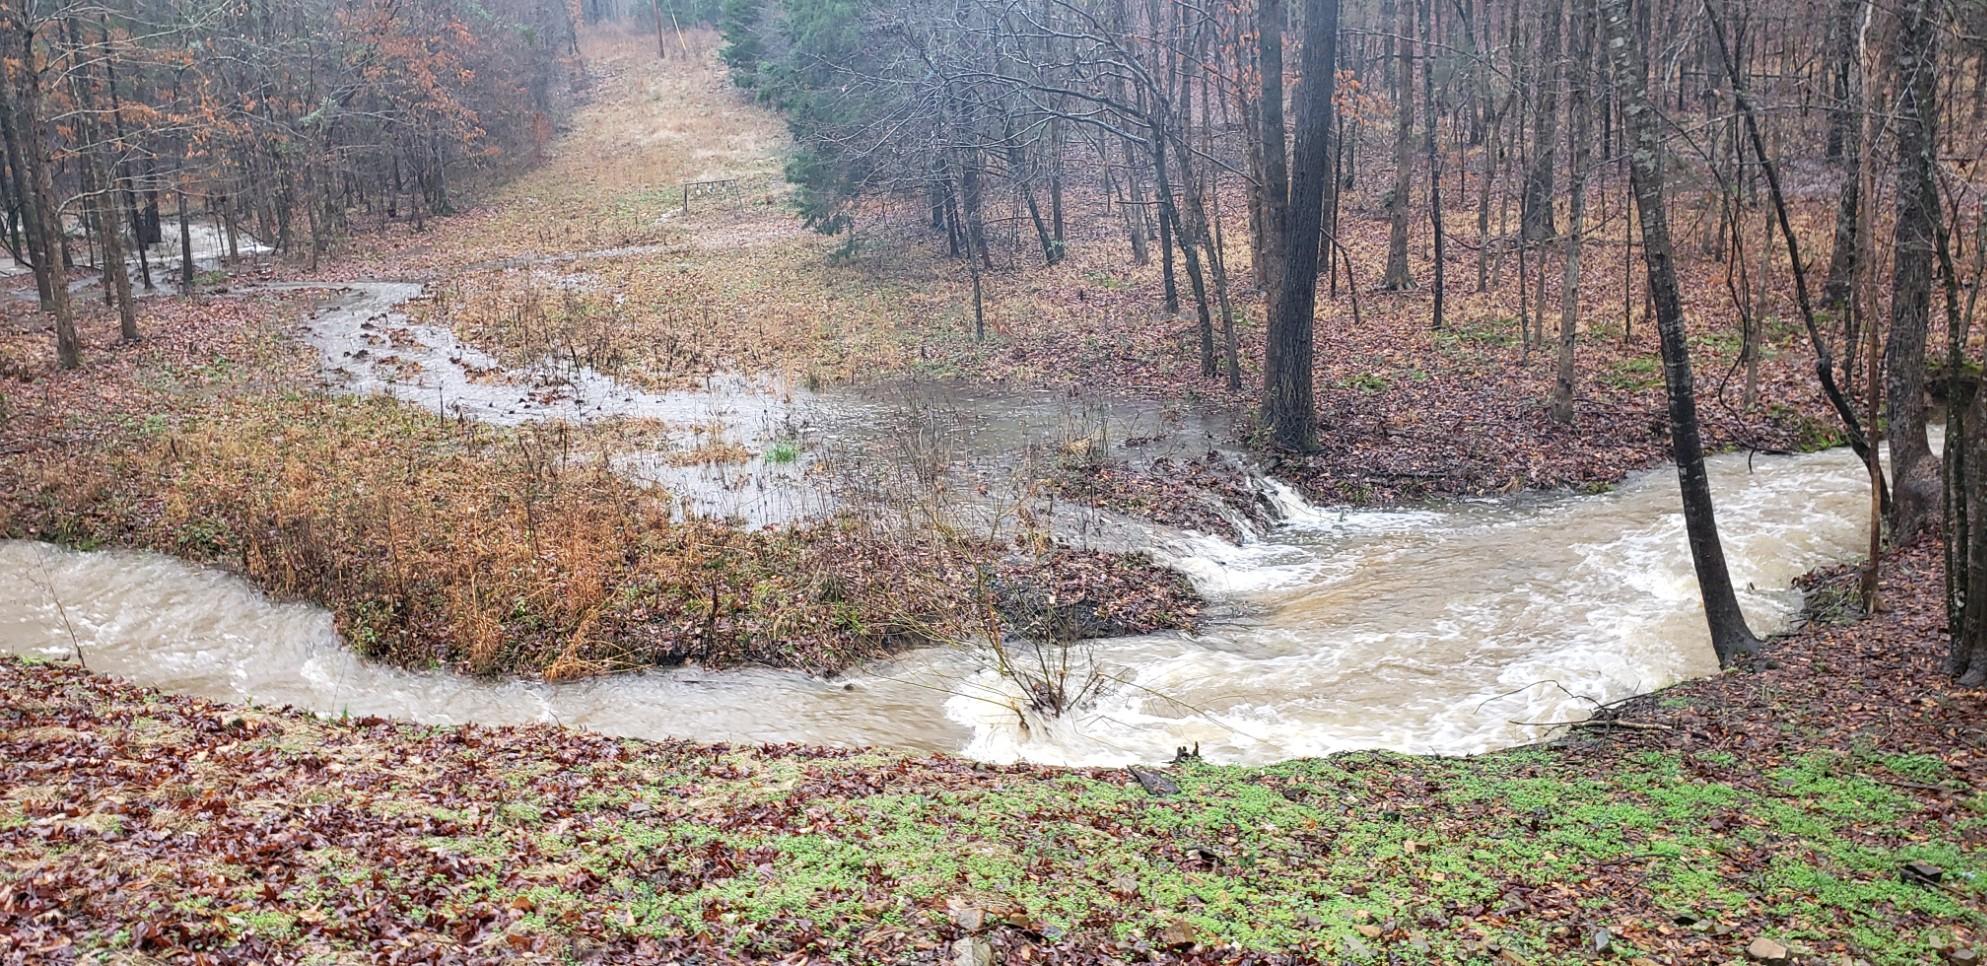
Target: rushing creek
x=1456, y=629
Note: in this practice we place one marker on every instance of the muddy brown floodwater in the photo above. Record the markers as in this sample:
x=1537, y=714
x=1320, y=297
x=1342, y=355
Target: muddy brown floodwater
x=1456, y=629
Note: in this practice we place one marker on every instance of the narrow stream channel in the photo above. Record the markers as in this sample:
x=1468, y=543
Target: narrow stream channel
x=1362, y=629
x=1454, y=629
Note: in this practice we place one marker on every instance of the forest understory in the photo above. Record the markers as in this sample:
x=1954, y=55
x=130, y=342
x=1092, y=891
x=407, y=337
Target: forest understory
x=590, y=257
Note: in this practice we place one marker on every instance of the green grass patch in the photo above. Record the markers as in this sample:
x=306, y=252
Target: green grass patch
x=1635, y=373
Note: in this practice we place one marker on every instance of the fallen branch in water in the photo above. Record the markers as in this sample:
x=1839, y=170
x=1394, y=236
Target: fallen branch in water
x=1599, y=705
x=75, y=641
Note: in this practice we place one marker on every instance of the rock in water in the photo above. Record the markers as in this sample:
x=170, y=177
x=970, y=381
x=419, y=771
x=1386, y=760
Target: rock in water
x=972, y=951
x=1154, y=782
x=1764, y=950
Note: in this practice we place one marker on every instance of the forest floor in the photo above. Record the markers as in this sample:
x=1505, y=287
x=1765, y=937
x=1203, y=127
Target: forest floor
x=1826, y=808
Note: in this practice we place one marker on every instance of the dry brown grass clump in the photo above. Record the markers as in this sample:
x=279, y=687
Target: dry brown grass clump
x=442, y=543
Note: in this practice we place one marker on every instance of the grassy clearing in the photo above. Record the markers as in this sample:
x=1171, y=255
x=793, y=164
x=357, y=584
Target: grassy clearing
x=668, y=321
x=614, y=176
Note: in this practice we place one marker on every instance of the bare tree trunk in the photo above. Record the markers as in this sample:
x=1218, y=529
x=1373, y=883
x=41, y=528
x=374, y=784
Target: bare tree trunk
x=1536, y=209
x=1231, y=350
x=19, y=171
x=1056, y=149
x=1022, y=171
x=1289, y=408
x=1841, y=277
x=1848, y=146
x=1491, y=147
x=1837, y=72
x=140, y=237
x=1966, y=556
x=1172, y=227
x=1165, y=191
x=1209, y=216
x=1434, y=161
x=52, y=265
x=1730, y=637
x=103, y=169
x=185, y=245
x=1138, y=225
x=1397, y=277
x=1576, y=186
x=1914, y=470
x=1965, y=461
x=1275, y=160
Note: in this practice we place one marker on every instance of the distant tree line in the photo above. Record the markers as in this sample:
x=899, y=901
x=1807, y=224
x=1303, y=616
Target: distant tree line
x=126, y=121
x=667, y=18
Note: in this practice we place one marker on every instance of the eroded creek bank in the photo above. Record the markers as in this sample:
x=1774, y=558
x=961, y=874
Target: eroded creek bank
x=1453, y=629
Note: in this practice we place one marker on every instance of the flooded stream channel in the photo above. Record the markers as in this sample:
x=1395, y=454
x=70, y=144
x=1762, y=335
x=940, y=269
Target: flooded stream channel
x=1456, y=629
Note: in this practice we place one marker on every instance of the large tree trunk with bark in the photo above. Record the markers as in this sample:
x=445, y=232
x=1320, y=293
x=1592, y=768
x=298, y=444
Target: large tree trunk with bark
x=1838, y=74
x=41, y=187
x=1914, y=470
x=1397, y=277
x=18, y=172
x=1289, y=408
x=1432, y=147
x=1730, y=637
x=1274, y=164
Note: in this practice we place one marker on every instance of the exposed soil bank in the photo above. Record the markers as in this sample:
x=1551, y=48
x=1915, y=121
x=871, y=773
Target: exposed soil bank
x=1786, y=804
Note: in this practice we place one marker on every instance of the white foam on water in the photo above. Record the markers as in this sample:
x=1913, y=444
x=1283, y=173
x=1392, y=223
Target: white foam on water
x=1453, y=631
x=1351, y=630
